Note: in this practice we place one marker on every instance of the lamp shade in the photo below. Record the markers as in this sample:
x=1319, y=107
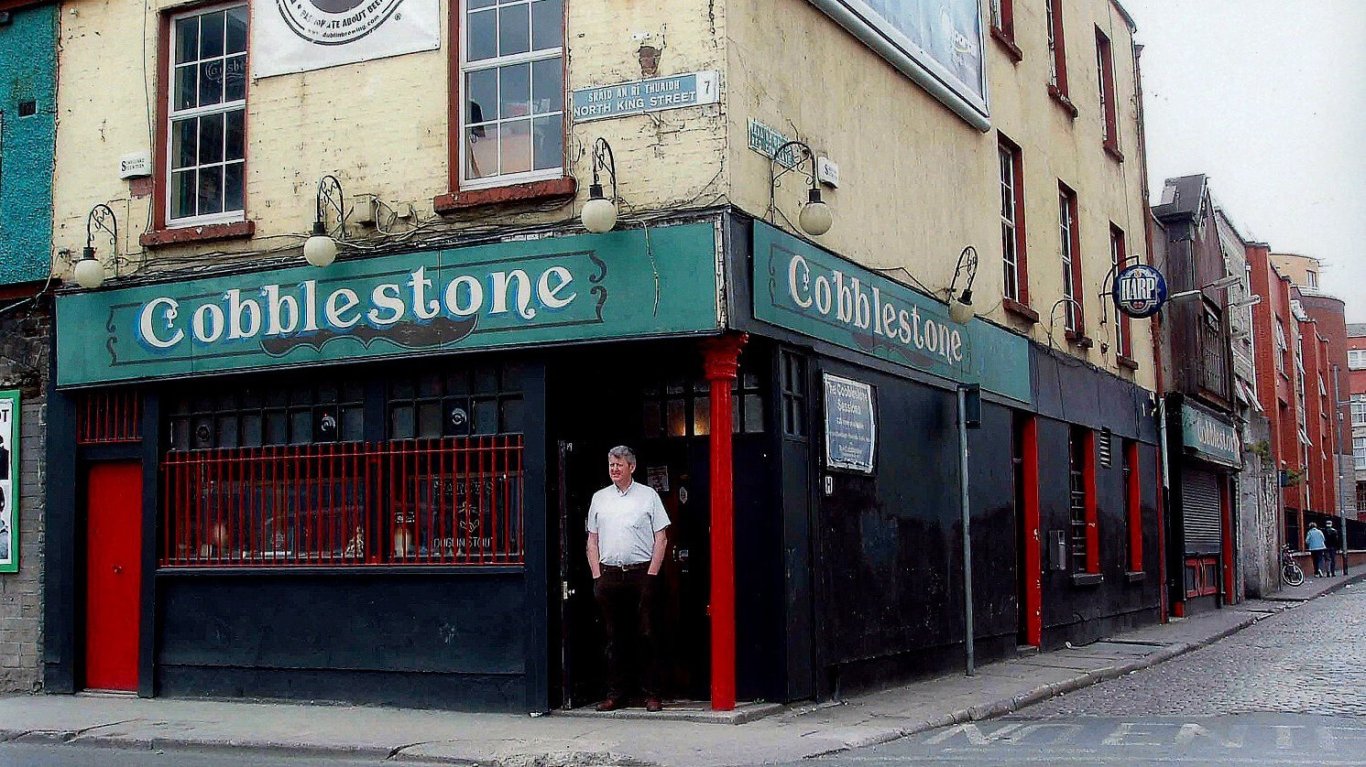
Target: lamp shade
x=89, y=273
x=599, y=215
x=815, y=218
x=320, y=250
x=961, y=312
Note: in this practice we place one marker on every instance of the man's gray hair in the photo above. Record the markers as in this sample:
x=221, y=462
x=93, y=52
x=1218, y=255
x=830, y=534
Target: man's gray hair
x=624, y=453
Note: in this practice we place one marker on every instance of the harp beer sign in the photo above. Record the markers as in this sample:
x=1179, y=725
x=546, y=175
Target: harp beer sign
x=1140, y=290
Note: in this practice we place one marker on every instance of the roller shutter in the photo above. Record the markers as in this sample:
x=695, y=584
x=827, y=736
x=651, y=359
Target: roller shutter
x=1201, y=510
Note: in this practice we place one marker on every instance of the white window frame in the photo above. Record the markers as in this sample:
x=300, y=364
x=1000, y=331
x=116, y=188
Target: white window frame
x=1359, y=452
x=1356, y=359
x=223, y=108
x=1010, y=213
x=1048, y=12
x=1065, y=227
x=497, y=62
x=1117, y=263
x=1359, y=409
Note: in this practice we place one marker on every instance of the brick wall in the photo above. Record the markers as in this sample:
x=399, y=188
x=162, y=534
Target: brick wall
x=23, y=366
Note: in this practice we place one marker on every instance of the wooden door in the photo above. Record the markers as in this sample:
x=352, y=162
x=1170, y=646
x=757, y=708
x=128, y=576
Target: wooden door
x=113, y=575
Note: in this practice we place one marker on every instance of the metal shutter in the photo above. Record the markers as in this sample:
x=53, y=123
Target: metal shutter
x=1201, y=510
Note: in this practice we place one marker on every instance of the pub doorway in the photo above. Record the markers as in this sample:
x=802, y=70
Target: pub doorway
x=654, y=399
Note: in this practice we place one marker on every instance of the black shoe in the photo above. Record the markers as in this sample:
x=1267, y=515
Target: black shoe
x=611, y=704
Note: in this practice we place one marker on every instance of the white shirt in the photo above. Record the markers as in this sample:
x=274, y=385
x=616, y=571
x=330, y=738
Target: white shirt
x=626, y=523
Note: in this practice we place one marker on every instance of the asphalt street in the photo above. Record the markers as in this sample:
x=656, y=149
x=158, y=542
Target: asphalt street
x=1289, y=690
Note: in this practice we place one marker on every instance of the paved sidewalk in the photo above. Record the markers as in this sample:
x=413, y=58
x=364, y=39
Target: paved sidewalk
x=679, y=737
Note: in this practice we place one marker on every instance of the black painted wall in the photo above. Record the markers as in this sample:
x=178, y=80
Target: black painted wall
x=414, y=639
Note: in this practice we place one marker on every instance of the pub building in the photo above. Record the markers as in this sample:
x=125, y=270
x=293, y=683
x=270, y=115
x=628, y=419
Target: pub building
x=368, y=482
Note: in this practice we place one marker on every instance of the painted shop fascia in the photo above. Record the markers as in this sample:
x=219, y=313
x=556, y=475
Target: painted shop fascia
x=512, y=294
x=809, y=291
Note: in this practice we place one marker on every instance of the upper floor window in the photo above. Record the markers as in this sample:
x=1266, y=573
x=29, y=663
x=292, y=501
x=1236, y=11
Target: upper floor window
x=1003, y=17
x=1359, y=452
x=206, y=116
x=1069, y=243
x=1105, y=74
x=1057, y=50
x=1359, y=409
x=1123, y=337
x=1013, y=260
x=512, y=88
x=1356, y=359
x=1282, y=348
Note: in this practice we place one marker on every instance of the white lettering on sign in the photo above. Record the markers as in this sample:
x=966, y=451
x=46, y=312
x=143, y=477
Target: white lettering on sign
x=849, y=301
x=284, y=310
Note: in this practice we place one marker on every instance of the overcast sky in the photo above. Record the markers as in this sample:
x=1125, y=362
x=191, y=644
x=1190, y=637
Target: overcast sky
x=1267, y=98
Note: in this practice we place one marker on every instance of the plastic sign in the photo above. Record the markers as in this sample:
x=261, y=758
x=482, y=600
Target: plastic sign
x=1140, y=290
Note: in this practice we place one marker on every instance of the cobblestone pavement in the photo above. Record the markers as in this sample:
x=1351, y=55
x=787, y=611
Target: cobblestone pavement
x=1310, y=660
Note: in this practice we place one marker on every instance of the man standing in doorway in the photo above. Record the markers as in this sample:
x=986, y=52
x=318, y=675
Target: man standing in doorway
x=626, y=543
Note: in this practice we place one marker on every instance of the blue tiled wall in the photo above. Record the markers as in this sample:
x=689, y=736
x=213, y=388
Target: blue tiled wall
x=28, y=73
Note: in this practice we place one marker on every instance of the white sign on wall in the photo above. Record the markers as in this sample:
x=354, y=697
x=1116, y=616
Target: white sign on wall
x=300, y=35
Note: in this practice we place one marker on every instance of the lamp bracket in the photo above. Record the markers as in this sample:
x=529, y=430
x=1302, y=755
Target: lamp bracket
x=604, y=160
x=330, y=197
x=101, y=219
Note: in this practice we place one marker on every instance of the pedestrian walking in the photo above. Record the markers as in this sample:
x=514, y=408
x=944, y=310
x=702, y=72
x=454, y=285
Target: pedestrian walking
x=1317, y=545
x=1332, y=538
x=626, y=546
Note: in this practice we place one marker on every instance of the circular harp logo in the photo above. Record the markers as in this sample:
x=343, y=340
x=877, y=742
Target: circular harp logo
x=335, y=22
x=1140, y=290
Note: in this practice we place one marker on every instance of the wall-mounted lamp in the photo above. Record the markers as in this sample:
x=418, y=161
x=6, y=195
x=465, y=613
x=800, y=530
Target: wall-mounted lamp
x=320, y=249
x=960, y=301
x=89, y=272
x=815, y=218
x=600, y=213
x=1219, y=284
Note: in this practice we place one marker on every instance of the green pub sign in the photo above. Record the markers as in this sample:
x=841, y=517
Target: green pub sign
x=623, y=284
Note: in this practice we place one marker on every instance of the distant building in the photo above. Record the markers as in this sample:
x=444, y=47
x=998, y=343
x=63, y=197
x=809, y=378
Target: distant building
x=1356, y=386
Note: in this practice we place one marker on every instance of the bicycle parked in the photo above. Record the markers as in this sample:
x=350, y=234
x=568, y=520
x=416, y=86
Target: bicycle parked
x=1290, y=570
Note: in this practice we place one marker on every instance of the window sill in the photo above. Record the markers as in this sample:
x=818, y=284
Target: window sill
x=157, y=238
x=536, y=190
x=1135, y=576
x=1126, y=362
x=1079, y=338
x=1062, y=101
x=1019, y=310
x=1087, y=579
x=1004, y=40
x=1114, y=152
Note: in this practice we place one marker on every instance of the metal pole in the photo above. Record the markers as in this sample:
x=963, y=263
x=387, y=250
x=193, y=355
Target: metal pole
x=967, y=535
x=1337, y=461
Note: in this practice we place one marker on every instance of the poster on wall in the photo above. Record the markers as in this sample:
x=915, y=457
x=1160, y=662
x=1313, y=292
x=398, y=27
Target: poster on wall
x=9, y=481
x=850, y=424
x=301, y=35
x=937, y=43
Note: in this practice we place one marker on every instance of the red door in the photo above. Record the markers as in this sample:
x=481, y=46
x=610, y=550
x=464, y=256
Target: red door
x=113, y=575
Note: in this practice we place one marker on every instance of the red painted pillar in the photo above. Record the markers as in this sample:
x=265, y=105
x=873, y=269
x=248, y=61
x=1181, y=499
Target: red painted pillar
x=720, y=365
x=1088, y=468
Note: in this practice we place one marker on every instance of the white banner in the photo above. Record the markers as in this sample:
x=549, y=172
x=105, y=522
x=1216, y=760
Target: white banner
x=299, y=35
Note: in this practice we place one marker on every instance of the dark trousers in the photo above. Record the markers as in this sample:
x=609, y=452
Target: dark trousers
x=626, y=601
x=1331, y=555
x=1317, y=555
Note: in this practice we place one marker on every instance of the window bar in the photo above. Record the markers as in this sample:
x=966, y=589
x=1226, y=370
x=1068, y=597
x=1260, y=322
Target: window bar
x=483, y=447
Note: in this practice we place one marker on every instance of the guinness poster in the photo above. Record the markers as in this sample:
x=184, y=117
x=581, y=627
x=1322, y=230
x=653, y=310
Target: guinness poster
x=9, y=481
x=301, y=35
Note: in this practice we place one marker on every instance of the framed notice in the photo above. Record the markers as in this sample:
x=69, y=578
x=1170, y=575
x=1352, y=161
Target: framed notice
x=850, y=425
x=9, y=481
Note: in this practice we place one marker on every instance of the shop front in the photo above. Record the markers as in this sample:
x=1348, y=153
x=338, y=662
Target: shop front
x=1206, y=457
x=369, y=482
x=356, y=483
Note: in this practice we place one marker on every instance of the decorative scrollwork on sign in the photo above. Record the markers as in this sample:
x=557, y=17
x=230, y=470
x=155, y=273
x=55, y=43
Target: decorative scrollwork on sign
x=599, y=291
x=111, y=328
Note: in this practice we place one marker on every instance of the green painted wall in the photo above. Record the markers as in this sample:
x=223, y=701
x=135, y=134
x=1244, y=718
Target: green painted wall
x=28, y=72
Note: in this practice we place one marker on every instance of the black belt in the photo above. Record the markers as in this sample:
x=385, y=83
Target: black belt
x=631, y=568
